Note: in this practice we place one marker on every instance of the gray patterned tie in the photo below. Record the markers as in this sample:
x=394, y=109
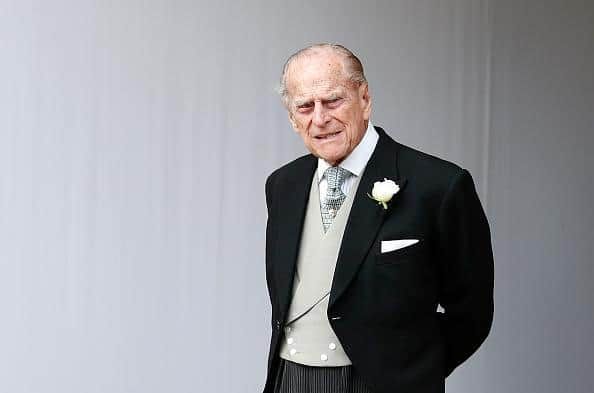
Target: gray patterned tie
x=335, y=176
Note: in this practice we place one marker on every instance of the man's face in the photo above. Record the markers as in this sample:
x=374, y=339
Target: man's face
x=325, y=108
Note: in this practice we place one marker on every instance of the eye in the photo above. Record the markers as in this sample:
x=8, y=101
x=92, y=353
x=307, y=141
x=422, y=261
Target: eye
x=304, y=108
x=334, y=102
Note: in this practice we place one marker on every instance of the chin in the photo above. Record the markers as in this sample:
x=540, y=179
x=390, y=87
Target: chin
x=333, y=159
x=336, y=158
x=332, y=156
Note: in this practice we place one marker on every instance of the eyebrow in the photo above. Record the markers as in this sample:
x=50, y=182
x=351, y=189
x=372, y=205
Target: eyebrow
x=333, y=96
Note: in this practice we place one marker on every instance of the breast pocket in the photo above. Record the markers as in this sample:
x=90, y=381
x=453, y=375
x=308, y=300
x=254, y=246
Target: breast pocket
x=408, y=253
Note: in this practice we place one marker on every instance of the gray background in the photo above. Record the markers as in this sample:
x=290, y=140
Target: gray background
x=135, y=137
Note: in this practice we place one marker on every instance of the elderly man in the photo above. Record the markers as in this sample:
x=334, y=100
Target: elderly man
x=365, y=239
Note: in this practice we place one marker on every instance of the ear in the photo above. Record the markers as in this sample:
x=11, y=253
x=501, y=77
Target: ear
x=292, y=121
x=365, y=100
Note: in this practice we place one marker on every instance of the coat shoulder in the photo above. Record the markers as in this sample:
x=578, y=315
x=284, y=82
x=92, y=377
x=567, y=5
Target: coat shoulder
x=276, y=180
x=292, y=167
x=426, y=168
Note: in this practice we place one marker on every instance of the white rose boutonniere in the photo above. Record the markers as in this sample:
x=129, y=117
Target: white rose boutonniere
x=383, y=191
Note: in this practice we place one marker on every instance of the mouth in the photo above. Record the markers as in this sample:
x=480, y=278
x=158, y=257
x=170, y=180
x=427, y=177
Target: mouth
x=327, y=137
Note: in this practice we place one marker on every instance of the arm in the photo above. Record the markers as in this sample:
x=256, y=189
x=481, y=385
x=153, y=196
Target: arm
x=270, y=233
x=466, y=269
x=268, y=192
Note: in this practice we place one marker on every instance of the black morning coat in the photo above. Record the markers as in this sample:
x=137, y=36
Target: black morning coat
x=383, y=307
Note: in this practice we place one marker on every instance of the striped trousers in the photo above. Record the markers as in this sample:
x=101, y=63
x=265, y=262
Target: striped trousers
x=298, y=378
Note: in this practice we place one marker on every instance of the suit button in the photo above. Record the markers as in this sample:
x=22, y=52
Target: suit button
x=293, y=351
x=332, y=346
x=278, y=324
x=290, y=340
x=324, y=357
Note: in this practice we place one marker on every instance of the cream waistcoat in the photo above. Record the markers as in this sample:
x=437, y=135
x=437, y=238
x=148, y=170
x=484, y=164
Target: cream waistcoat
x=309, y=338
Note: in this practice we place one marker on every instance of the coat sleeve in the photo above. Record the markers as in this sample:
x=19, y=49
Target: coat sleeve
x=270, y=234
x=466, y=270
x=268, y=192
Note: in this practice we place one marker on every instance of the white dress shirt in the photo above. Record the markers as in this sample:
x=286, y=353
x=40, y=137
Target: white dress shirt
x=354, y=162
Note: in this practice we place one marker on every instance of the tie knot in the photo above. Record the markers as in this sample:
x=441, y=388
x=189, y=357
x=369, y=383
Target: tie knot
x=335, y=176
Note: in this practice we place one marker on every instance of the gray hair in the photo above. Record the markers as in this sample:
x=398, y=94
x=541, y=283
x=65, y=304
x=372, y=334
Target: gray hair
x=353, y=66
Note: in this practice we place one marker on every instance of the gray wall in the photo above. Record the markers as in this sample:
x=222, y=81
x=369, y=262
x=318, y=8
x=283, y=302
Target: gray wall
x=135, y=137
x=540, y=197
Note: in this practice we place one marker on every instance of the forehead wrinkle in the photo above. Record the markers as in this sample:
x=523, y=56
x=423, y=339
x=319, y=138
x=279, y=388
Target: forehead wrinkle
x=319, y=86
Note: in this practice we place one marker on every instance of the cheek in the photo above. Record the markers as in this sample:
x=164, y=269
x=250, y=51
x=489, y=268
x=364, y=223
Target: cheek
x=300, y=128
x=347, y=118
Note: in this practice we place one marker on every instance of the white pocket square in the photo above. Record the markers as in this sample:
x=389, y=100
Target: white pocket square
x=392, y=245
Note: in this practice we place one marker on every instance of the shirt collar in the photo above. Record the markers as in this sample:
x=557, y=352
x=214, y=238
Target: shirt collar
x=356, y=161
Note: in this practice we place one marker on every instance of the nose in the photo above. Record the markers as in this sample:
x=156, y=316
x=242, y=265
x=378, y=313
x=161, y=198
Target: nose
x=320, y=116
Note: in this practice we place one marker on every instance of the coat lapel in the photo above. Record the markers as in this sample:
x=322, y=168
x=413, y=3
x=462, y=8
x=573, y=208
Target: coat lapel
x=295, y=194
x=366, y=215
